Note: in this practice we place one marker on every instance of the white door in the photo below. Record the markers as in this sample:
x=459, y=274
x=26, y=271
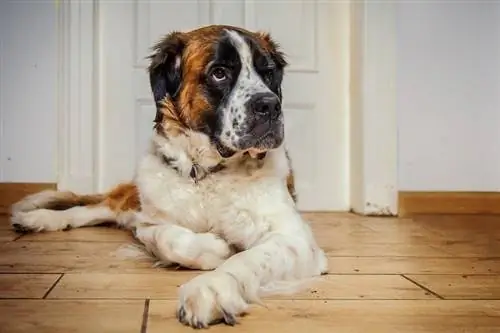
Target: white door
x=315, y=90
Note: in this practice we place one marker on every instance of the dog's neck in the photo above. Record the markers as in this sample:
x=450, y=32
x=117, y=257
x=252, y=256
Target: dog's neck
x=192, y=155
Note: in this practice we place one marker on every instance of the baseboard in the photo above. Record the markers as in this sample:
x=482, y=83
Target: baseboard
x=413, y=203
x=12, y=192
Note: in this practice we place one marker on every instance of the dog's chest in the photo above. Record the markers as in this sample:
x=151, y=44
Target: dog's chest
x=229, y=205
x=196, y=205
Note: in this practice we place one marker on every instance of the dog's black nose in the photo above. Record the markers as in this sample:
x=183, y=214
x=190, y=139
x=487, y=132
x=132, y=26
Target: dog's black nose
x=266, y=105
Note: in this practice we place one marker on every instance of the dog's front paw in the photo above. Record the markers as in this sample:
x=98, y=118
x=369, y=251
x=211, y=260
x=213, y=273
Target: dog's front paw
x=210, y=298
x=212, y=251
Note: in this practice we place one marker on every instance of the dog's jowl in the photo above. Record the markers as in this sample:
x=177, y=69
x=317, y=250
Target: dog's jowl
x=215, y=191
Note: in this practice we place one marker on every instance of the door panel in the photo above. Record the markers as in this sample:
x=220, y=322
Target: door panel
x=316, y=126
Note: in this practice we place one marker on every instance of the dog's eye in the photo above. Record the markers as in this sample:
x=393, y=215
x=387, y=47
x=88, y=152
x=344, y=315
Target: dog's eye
x=219, y=74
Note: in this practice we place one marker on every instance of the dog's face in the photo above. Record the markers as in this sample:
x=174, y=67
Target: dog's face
x=223, y=81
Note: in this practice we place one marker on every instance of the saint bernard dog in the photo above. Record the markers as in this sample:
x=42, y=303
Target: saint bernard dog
x=215, y=190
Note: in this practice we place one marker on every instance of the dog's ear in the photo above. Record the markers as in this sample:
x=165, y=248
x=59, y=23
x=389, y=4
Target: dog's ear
x=165, y=69
x=274, y=49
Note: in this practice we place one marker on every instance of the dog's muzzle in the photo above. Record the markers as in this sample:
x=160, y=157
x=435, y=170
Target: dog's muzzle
x=264, y=122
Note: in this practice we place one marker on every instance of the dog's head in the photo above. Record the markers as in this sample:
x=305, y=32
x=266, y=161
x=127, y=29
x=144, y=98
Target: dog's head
x=223, y=81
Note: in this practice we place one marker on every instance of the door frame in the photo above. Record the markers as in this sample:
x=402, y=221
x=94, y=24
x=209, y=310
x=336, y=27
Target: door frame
x=78, y=95
x=371, y=102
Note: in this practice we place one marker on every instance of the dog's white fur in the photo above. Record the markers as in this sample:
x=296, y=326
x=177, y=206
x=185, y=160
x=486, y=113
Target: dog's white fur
x=198, y=224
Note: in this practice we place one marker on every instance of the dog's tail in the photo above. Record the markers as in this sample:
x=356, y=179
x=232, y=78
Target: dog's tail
x=59, y=210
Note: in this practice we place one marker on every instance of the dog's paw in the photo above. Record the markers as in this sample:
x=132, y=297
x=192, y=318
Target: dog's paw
x=212, y=251
x=36, y=221
x=204, y=251
x=210, y=298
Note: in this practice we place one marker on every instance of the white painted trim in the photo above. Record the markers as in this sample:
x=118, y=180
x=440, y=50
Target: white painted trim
x=77, y=95
x=373, y=115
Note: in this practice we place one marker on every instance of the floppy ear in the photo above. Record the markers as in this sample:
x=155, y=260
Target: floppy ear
x=274, y=49
x=165, y=69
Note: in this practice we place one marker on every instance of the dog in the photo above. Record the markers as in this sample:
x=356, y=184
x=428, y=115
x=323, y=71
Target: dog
x=215, y=189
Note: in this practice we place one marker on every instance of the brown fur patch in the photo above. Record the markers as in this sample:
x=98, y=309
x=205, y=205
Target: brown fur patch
x=171, y=124
x=290, y=183
x=124, y=197
x=73, y=200
x=290, y=179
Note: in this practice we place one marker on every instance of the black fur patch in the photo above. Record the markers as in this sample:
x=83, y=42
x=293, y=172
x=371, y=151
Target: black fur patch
x=165, y=77
x=226, y=56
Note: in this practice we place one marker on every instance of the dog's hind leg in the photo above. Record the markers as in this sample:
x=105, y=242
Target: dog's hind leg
x=53, y=220
x=59, y=210
x=173, y=244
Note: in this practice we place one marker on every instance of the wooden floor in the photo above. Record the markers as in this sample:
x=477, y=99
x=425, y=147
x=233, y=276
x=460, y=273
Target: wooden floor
x=431, y=274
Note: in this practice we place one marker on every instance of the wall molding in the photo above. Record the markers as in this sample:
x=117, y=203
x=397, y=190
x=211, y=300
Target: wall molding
x=77, y=95
x=373, y=118
x=416, y=203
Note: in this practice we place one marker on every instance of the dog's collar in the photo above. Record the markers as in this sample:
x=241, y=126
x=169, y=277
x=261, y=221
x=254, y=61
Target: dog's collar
x=260, y=156
x=197, y=172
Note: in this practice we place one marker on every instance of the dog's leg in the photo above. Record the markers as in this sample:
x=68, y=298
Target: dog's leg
x=173, y=244
x=52, y=220
x=286, y=258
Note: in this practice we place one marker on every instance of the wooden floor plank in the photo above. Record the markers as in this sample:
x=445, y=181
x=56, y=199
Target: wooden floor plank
x=102, y=292
x=461, y=286
x=87, y=234
x=366, y=237
x=64, y=257
x=43, y=316
x=413, y=265
x=129, y=286
x=26, y=285
x=7, y=235
x=344, y=316
x=164, y=286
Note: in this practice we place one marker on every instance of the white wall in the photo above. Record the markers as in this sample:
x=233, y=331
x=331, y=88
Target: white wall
x=28, y=91
x=448, y=88
x=448, y=104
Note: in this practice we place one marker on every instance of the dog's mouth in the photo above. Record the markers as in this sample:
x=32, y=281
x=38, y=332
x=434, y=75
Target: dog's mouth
x=224, y=151
x=263, y=137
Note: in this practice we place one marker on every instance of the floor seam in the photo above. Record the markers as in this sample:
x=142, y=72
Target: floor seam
x=17, y=237
x=423, y=287
x=145, y=314
x=53, y=286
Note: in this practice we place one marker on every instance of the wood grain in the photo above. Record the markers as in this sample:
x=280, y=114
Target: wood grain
x=65, y=257
x=414, y=265
x=26, y=285
x=94, y=234
x=12, y=192
x=42, y=316
x=162, y=285
x=413, y=203
x=461, y=286
x=7, y=235
x=165, y=285
x=349, y=316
